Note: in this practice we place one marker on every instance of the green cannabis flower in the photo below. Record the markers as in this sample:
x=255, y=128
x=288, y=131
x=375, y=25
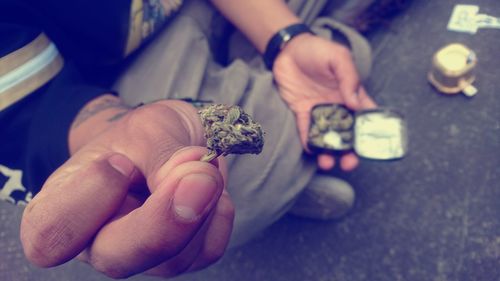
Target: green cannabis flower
x=229, y=130
x=331, y=128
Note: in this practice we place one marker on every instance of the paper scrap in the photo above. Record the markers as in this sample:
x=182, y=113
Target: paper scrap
x=465, y=18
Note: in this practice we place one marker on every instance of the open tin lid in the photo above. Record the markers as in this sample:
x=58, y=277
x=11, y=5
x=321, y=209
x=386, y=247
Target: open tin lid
x=378, y=134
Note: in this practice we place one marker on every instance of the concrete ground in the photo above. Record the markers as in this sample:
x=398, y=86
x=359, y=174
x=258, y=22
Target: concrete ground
x=433, y=216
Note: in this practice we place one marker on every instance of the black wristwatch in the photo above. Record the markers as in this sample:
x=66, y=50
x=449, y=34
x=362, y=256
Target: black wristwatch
x=280, y=39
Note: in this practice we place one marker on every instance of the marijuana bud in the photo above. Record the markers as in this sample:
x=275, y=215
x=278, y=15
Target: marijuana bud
x=228, y=129
x=331, y=128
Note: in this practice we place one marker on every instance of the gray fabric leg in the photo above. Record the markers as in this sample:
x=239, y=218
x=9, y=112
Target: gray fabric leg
x=325, y=198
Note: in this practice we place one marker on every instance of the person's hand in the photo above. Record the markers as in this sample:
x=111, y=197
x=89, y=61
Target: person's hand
x=311, y=70
x=134, y=198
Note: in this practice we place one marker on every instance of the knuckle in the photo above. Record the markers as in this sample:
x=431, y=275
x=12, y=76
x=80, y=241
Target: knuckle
x=148, y=113
x=138, y=119
x=143, y=112
x=142, y=117
x=147, y=123
x=94, y=171
x=45, y=244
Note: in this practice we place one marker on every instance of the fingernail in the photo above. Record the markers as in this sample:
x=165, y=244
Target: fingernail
x=193, y=195
x=122, y=164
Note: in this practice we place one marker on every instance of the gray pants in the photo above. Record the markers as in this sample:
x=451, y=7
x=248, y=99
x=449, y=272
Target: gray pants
x=180, y=63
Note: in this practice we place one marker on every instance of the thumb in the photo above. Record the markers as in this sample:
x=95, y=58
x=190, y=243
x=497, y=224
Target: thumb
x=303, y=121
x=72, y=206
x=345, y=70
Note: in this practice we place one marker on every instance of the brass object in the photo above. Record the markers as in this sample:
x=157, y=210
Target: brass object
x=453, y=70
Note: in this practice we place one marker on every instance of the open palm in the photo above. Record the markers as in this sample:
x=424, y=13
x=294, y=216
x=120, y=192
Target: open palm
x=311, y=70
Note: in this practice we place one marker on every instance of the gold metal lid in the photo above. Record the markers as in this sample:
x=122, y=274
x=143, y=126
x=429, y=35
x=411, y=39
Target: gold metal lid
x=453, y=70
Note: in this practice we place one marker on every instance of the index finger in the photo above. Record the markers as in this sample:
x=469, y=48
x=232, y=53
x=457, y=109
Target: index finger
x=326, y=162
x=74, y=203
x=348, y=77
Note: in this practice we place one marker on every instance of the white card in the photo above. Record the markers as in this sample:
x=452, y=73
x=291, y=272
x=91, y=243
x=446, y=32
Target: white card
x=463, y=19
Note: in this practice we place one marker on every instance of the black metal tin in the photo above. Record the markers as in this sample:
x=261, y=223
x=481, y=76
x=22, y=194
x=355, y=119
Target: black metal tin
x=379, y=133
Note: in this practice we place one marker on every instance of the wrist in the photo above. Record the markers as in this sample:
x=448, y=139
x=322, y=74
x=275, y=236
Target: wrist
x=281, y=39
x=272, y=28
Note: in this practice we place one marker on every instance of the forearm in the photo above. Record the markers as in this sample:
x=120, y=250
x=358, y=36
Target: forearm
x=259, y=20
x=95, y=117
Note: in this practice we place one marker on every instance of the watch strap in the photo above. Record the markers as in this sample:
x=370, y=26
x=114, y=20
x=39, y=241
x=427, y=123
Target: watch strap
x=279, y=41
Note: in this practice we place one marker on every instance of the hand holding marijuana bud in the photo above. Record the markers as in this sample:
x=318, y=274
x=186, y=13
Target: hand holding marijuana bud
x=228, y=129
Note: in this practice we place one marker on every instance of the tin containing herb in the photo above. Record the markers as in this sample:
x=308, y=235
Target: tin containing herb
x=379, y=134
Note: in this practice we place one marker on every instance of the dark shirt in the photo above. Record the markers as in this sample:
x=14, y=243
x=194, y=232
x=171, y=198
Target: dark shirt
x=55, y=56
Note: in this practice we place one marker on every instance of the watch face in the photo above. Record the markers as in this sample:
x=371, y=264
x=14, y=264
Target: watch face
x=331, y=128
